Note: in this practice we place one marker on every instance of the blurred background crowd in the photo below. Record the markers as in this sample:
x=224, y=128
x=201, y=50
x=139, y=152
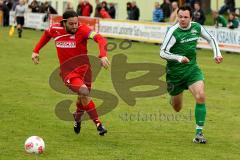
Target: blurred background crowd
x=164, y=11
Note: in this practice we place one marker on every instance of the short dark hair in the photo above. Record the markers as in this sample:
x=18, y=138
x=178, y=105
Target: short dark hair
x=233, y=13
x=185, y=8
x=129, y=3
x=68, y=14
x=197, y=2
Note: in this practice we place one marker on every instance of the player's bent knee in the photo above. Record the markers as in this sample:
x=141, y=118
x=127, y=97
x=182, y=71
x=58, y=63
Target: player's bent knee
x=84, y=91
x=200, y=97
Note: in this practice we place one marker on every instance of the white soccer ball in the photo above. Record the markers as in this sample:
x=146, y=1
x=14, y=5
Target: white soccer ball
x=34, y=144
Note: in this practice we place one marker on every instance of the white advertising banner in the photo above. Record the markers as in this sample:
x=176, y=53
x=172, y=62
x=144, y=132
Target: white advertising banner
x=32, y=20
x=140, y=31
x=35, y=20
x=229, y=40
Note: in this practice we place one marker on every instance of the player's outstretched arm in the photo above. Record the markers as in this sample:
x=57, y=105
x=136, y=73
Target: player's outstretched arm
x=43, y=41
x=212, y=41
x=102, y=43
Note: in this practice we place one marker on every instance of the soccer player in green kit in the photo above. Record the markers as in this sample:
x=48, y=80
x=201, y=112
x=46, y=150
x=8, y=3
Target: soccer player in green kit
x=179, y=49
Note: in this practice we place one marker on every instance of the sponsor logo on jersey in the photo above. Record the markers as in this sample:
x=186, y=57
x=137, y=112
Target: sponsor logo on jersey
x=72, y=37
x=57, y=32
x=66, y=44
x=193, y=31
x=188, y=40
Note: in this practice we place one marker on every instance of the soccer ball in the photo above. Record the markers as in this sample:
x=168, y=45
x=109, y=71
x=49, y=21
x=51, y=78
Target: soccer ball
x=34, y=144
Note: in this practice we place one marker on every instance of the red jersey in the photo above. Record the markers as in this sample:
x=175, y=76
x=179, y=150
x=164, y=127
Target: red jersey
x=86, y=9
x=71, y=45
x=104, y=14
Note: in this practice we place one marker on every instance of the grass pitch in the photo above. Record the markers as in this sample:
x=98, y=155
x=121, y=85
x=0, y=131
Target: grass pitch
x=27, y=105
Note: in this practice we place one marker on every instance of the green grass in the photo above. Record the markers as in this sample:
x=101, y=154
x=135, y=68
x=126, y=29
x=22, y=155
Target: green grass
x=27, y=106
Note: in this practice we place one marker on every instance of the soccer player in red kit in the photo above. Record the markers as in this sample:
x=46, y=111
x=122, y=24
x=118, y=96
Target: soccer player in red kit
x=71, y=41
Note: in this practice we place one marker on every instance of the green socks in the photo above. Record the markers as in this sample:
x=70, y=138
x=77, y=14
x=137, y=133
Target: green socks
x=200, y=114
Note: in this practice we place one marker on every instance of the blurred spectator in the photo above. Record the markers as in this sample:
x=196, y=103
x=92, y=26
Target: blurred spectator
x=69, y=6
x=86, y=8
x=41, y=7
x=20, y=10
x=228, y=5
x=9, y=4
x=135, y=12
x=219, y=20
x=129, y=9
x=190, y=3
x=157, y=13
x=166, y=7
x=79, y=8
x=5, y=10
x=103, y=13
x=173, y=16
x=47, y=8
x=105, y=5
x=232, y=21
x=112, y=10
x=198, y=14
x=15, y=3
x=98, y=8
x=34, y=6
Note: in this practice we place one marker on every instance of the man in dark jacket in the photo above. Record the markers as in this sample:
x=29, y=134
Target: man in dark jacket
x=112, y=10
x=198, y=14
x=98, y=7
x=34, y=6
x=129, y=9
x=135, y=12
x=166, y=7
x=228, y=5
x=4, y=8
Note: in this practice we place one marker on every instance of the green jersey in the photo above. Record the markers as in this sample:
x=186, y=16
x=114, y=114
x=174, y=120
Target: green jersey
x=233, y=23
x=221, y=21
x=181, y=42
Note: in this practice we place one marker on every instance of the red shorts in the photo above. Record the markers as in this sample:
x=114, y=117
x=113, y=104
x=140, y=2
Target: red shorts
x=78, y=77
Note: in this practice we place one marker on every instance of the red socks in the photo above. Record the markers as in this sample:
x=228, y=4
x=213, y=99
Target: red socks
x=79, y=112
x=90, y=109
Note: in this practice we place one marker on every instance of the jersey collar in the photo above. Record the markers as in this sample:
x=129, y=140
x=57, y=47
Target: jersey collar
x=188, y=27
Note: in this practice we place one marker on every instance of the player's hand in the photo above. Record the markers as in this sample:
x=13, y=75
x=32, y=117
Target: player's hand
x=218, y=59
x=184, y=60
x=105, y=62
x=35, y=58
